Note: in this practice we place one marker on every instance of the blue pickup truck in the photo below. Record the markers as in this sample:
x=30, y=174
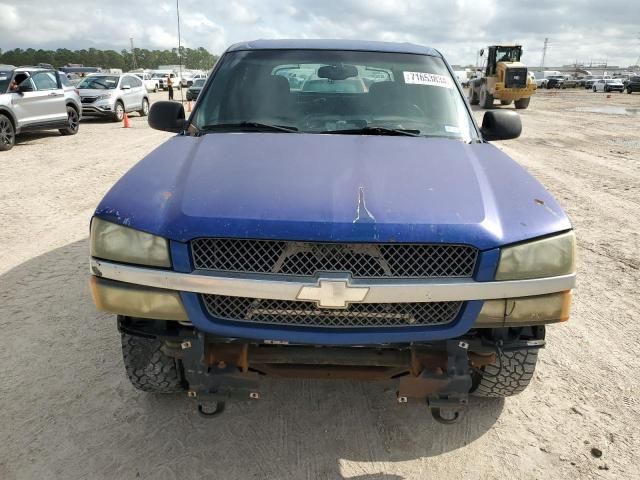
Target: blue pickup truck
x=330, y=209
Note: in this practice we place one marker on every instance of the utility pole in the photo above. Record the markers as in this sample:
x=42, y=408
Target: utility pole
x=133, y=54
x=544, y=53
x=179, y=50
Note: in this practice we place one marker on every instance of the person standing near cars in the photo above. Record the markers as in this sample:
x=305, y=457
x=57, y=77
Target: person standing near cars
x=170, y=86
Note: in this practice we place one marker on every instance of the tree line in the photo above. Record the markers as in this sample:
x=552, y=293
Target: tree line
x=198, y=58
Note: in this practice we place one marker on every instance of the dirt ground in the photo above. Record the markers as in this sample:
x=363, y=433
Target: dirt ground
x=67, y=411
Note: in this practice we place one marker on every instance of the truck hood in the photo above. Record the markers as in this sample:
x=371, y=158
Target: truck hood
x=333, y=188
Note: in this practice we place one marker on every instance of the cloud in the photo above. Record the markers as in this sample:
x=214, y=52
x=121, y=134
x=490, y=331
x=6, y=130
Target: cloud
x=10, y=18
x=579, y=30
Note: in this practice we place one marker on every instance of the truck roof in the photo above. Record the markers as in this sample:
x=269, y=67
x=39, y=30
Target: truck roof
x=317, y=44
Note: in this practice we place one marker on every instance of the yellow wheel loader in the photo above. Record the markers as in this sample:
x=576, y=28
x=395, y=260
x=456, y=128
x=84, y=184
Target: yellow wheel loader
x=505, y=78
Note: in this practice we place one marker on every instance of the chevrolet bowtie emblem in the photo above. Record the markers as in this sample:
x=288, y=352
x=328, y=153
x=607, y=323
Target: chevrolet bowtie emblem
x=333, y=293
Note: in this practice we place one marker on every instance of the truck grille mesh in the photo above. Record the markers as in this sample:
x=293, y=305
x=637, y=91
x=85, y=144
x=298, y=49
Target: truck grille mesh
x=361, y=260
x=286, y=312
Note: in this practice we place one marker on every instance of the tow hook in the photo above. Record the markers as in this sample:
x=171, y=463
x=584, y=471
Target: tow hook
x=448, y=404
x=219, y=408
x=213, y=381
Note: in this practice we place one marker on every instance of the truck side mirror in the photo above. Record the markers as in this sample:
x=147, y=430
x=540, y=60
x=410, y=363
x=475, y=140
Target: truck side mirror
x=167, y=116
x=501, y=125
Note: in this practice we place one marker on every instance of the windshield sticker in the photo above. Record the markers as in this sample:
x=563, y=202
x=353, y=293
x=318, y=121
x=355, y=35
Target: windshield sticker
x=422, y=78
x=451, y=129
x=3, y=78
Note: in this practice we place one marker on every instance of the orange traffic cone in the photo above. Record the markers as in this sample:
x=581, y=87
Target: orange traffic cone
x=126, y=121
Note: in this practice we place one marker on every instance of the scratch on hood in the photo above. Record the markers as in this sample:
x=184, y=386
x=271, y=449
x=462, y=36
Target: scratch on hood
x=363, y=215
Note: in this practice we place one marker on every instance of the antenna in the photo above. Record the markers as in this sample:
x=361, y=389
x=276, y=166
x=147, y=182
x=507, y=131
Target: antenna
x=544, y=53
x=133, y=54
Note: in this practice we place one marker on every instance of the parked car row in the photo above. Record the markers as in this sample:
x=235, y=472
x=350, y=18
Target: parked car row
x=36, y=98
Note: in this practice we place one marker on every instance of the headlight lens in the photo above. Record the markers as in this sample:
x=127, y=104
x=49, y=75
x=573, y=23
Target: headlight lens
x=137, y=301
x=549, y=257
x=115, y=242
x=103, y=97
x=538, y=310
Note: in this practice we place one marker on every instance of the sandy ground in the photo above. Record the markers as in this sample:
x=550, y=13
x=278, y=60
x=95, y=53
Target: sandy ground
x=67, y=411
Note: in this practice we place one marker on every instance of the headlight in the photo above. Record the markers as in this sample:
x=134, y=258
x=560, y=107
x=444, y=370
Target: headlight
x=549, y=257
x=110, y=241
x=513, y=312
x=103, y=97
x=137, y=301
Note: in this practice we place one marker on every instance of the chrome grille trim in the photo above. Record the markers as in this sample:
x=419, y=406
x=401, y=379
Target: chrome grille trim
x=380, y=291
x=307, y=314
x=389, y=260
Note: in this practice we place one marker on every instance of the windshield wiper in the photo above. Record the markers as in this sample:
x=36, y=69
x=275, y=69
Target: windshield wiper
x=376, y=131
x=248, y=126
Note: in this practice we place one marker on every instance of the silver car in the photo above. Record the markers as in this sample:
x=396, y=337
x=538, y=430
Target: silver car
x=109, y=95
x=32, y=99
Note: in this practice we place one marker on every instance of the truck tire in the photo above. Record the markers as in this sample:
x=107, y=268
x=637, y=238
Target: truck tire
x=473, y=96
x=505, y=102
x=148, y=368
x=486, y=99
x=509, y=375
x=522, y=103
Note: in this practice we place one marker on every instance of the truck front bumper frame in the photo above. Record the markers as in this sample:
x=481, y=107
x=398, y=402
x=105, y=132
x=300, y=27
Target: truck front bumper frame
x=438, y=374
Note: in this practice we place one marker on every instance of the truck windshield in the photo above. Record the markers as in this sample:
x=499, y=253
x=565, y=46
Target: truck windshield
x=342, y=92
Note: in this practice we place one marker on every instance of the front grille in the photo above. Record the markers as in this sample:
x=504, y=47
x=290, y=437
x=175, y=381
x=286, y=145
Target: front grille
x=360, y=260
x=88, y=99
x=307, y=314
x=515, y=78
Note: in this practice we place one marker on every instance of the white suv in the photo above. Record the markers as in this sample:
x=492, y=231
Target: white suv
x=111, y=95
x=33, y=98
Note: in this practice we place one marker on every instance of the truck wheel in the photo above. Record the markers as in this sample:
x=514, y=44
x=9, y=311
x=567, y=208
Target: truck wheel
x=509, y=375
x=473, y=96
x=7, y=133
x=148, y=368
x=505, y=102
x=522, y=103
x=486, y=99
x=73, y=120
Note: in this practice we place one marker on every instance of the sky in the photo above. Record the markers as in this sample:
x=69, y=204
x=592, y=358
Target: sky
x=578, y=30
